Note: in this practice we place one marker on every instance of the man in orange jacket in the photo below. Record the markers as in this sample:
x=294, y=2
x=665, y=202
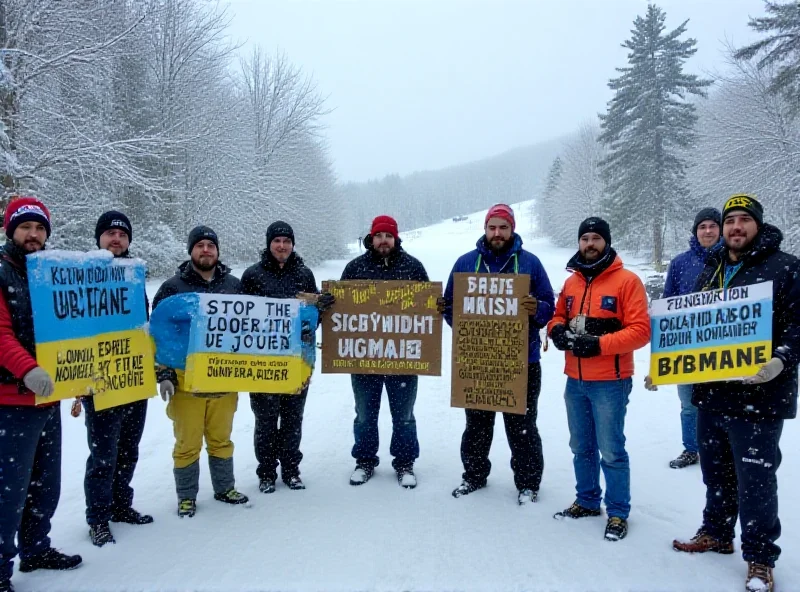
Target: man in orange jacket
x=601, y=318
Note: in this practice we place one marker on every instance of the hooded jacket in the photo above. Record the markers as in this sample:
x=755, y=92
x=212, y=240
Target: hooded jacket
x=685, y=268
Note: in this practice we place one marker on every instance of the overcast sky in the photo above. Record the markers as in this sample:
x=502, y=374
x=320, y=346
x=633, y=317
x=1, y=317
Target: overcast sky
x=424, y=84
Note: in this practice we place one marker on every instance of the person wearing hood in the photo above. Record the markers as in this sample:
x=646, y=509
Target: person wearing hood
x=196, y=416
x=500, y=250
x=739, y=423
x=113, y=434
x=682, y=275
x=385, y=259
x=601, y=318
x=281, y=273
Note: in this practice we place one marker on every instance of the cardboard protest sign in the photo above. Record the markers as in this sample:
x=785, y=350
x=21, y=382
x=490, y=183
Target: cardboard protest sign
x=89, y=317
x=389, y=327
x=490, y=342
x=226, y=343
x=709, y=336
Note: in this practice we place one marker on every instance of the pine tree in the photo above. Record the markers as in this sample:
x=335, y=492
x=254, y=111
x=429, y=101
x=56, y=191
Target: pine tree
x=543, y=207
x=648, y=126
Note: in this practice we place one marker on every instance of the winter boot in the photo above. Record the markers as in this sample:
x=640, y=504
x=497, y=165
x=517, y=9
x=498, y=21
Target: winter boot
x=616, y=529
x=759, y=578
x=684, y=460
x=295, y=483
x=266, y=485
x=467, y=487
x=232, y=497
x=187, y=508
x=50, y=559
x=527, y=496
x=576, y=511
x=361, y=474
x=406, y=478
x=130, y=516
x=5, y=586
x=101, y=534
x=703, y=542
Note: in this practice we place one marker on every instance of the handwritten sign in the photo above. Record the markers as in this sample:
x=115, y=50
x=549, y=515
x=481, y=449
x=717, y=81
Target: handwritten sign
x=710, y=336
x=89, y=316
x=387, y=327
x=490, y=342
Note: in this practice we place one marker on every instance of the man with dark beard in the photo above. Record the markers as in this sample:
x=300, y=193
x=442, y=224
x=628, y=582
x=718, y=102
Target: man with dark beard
x=30, y=435
x=200, y=415
x=601, y=319
x=739, y=423
x=500, y=250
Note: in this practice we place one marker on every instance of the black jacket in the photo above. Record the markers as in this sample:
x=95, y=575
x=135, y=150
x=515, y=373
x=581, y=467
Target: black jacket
x=186, y=280
x=399, y=265
x=765, y=262
x=268, y=278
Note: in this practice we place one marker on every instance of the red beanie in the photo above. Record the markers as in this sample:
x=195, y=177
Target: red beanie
x=501, y=211
x=25, y=209
x=384, y=224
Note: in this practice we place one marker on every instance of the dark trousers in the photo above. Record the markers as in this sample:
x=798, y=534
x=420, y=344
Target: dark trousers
x=30, y=480
x=527, y=460
x=739, y=460
x=113, y=435
x=278, y=431
x=402, y=393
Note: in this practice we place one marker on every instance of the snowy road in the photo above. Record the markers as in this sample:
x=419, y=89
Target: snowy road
x=380, y=537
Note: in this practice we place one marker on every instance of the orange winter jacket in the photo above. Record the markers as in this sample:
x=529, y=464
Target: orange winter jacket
x=615, y=300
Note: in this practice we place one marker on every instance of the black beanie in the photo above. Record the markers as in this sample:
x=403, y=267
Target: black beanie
x=279, y=228
x=113, y=219
x=199, y=233
x=596, y=225
x=710, y=214
x=745, y=202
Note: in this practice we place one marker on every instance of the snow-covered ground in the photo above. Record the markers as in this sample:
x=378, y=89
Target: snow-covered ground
x=380, y=537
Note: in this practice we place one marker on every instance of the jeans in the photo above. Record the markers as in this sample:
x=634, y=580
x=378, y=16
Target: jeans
x=402, y=392
x=274, y=443
x=688, y=418
x=596, y=416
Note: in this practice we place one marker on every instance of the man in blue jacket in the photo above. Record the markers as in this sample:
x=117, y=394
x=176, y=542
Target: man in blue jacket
x=500, y=251
x=681, y=279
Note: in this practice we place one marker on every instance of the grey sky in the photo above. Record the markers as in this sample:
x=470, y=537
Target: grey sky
x=424, y=84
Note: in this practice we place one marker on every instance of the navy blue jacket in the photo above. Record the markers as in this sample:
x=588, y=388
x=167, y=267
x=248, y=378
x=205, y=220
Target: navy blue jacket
x=484, y=260
x=684, y=269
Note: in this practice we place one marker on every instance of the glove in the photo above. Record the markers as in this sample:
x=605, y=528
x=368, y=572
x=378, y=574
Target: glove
x=648, y=383
x=560, y=338
x=578, y=324
x=307, y=335
x=167, y=390
x=768, y=371
x=586, y=346
x=75, y=410
x=39, y=381
x=325, y=301
x=441, y=305
x=530, y=304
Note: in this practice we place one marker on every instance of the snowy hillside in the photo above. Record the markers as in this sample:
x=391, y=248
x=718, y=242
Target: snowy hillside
x=380, y=537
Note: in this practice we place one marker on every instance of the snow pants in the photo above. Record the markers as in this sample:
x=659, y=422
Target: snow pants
x=277, y=434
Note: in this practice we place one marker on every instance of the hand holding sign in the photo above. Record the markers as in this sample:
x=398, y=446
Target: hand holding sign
x=768, y=371
x=530, y=304
x=39, y=381
x=166, y=389
x=648, y=383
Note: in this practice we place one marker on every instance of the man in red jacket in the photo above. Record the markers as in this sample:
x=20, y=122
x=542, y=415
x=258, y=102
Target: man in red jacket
x=30, y=436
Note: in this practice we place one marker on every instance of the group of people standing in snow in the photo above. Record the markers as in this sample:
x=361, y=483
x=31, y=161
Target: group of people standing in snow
x=599, y=320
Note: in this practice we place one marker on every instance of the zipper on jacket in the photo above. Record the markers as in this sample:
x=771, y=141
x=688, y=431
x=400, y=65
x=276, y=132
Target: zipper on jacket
x=580, y=312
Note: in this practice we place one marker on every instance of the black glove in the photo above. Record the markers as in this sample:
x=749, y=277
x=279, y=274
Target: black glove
x=586, y=346
x=441, y=305
x=325, y=301
x=560, y=339
x=307, y=335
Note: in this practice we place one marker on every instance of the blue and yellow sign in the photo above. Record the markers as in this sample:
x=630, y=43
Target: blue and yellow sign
x=89, y=317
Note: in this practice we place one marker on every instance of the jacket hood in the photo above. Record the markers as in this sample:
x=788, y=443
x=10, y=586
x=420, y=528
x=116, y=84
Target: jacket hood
x=609, y=261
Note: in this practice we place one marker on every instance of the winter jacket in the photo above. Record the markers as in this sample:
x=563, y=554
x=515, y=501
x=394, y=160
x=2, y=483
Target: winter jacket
x=685, y=268
x=515, y=260
x=17, y=344
x=614, y=301
x=776, y=399
x=268, y=278
x=399, y=265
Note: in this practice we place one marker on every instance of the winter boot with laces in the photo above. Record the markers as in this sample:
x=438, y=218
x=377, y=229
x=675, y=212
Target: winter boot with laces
x=101, y=534
x=266, y=485
x=187, y=508
x=131, y=516
x=467, y=487
x=294, y=482
x=406, y=478
x=685, y=459
x=576, y=511
x=50, y=559
x=232, y=497
x=361, y=474
x=759, y=578
x=616, y=529
x=527, y=496
x=703, y=542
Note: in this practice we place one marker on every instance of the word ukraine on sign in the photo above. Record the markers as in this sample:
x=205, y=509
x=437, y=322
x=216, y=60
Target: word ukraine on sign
x=388, y=327
x=490, y=342
x=89, y=317
x=227, y=343
x=710, y=336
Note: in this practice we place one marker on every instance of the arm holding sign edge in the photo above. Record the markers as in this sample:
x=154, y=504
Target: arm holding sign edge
x=13, y=357
x=635, y=332
x=162, y=372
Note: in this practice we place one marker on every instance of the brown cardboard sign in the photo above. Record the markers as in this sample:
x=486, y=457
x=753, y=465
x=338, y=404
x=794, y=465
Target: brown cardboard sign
x=490, y=342
x=387, y=327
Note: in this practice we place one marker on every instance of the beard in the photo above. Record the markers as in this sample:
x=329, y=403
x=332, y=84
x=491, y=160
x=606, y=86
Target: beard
x=591, y=255
x=205, y=263
x=32, y=245
x=498, y=244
